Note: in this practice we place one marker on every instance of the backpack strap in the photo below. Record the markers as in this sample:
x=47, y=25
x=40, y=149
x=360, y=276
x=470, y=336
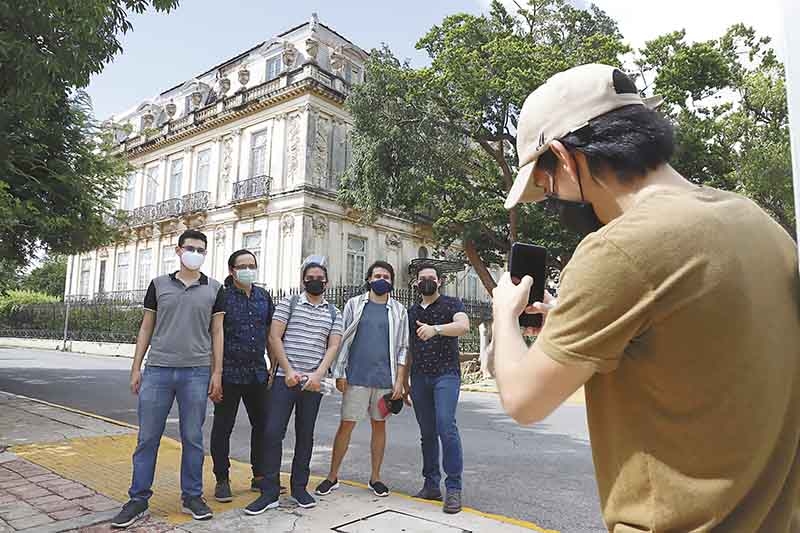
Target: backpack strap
x=293, y=299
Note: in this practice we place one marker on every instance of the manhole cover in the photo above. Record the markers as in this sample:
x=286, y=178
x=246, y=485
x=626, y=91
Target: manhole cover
x=396, y=522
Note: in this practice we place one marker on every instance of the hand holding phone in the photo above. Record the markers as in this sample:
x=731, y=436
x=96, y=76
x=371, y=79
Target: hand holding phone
x=529, y=260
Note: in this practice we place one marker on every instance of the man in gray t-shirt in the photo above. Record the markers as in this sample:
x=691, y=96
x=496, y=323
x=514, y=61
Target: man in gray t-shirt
x=371, y=364
x=182, y=326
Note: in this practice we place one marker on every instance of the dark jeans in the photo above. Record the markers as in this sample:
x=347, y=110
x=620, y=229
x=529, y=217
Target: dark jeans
x=160, y=387
x=435, y=399
x=282, y=400
x=254, y=397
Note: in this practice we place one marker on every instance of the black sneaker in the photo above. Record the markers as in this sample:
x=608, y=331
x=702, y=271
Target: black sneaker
x=452, y=502
x=254, y=487
x=222, y=492
x=261, y=504
x=326, y=487
x=303, y=499
x=379, y=488
x=429, y=493
x=196, y=506
x=131, y=512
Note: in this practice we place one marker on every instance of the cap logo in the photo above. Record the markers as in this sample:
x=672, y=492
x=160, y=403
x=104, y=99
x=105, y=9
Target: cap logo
x=541, y=141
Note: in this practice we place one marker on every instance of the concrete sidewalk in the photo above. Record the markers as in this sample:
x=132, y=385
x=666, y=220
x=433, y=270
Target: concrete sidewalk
x=69, y=471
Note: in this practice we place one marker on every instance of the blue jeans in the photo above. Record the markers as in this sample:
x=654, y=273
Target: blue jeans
x=282, y=400
x=159, y=388
x=435, y=399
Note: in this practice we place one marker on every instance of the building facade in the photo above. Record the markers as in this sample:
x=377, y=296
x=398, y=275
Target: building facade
x=250, y=152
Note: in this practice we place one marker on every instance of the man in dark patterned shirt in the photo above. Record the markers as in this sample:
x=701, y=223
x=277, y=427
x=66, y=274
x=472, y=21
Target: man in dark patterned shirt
x=435, y=325
x=248, y=315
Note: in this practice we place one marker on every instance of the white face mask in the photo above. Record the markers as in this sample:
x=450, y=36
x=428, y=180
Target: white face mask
x=192, y=260
x=246, y=276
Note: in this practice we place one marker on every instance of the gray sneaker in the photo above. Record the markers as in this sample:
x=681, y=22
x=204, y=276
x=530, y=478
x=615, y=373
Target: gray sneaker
x=452, y=502
x=222, y=492
x=429, y=493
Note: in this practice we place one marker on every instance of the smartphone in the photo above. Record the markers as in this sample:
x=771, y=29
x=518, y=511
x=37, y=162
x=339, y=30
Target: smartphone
x=529, y=260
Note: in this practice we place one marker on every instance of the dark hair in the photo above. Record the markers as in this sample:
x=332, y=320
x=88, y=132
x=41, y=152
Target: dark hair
x=236, y=254
x=309, y=266
x=628, y=141
x=192, y=234
x=380, y=264
x=429, y=266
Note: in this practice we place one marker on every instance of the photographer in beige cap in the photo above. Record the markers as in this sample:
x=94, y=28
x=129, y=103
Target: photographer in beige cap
x=679, y=312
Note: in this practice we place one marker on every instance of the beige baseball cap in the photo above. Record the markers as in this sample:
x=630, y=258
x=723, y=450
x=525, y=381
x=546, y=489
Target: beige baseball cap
x=563, y=104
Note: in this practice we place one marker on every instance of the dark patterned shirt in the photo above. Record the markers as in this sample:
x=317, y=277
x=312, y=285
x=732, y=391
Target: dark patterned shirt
x=247, y=321
x=438, y=355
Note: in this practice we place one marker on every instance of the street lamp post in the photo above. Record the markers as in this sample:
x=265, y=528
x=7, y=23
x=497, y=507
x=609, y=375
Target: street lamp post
x=791, y=14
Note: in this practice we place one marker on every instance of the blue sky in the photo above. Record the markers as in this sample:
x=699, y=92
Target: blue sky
x=166, y=49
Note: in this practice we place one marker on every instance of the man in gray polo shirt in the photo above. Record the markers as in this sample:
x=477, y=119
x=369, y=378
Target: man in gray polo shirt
x=305, y=335
x=182, y=326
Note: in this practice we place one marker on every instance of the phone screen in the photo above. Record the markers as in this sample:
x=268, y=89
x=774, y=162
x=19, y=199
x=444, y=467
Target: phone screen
x=529, y=260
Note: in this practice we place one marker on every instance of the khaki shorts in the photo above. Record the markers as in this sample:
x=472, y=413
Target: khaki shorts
x=358, y=402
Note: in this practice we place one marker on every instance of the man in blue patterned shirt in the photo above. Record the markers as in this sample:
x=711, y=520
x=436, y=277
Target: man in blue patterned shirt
x=248, y=315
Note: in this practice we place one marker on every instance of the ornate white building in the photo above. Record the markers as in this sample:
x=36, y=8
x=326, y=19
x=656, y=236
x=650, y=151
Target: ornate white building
x=251, y=153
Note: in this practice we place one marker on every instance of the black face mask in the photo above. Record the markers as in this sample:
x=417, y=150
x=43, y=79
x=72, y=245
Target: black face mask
x=315, y=287
x=576, y=216
x=427, y=287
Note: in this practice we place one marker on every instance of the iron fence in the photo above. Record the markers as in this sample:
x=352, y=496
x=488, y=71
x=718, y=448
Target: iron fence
x=116, y=316
x=251, y=188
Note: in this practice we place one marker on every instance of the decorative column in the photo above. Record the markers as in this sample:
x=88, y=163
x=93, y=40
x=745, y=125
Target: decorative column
x=188, y=186
x=163, y=179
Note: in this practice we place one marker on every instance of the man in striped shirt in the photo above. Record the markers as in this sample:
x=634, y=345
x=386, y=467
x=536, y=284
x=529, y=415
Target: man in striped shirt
x=305, y=335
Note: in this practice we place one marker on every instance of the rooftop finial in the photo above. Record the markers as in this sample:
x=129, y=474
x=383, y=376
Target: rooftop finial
x=314, y=21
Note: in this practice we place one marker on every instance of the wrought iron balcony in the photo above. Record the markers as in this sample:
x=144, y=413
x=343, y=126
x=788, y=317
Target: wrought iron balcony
x=195, y=202
x=171, y=208
x=143, y=215
x=250, y=189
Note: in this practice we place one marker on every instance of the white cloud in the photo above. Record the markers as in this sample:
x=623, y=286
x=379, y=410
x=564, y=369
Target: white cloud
x=702, y=19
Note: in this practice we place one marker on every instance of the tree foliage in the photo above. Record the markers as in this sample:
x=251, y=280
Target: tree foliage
x=57, y=180
x=727, y=98
x=440, y=141
x=48, y=278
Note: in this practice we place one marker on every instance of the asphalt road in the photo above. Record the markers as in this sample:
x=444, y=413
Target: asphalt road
x=542, y=474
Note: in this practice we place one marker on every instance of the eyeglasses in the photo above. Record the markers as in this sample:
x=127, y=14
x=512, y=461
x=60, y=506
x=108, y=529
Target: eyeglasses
x=245, y=267
x=194, y=249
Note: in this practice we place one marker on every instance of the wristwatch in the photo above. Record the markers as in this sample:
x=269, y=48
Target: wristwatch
x=438, y=329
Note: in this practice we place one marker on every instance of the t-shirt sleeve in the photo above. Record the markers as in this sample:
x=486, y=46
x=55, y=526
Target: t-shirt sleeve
x=219, y=302
x=338, y=324
x=281, y=313
x=458, y=307
x=150, y=299
x=604, y=303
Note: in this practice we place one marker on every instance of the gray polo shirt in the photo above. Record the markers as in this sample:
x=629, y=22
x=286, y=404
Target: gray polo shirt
x=182, y=334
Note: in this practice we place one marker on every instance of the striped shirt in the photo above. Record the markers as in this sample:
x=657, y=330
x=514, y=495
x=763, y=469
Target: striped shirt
x=306, y=338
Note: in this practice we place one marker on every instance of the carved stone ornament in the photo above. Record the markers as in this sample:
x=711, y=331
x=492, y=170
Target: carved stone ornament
x=171, y=108
x=337, y=60
x=148, y=119
x=197, y=98
x=244, y=76
x=289, y=54
x=393, y=240
x=224, y=85
x=294, y=147
x=227, y=158
x=321, y=151
x=103, y=253
x=219, y=236
x=287, y=224
x=312, y=49
x=320, y=225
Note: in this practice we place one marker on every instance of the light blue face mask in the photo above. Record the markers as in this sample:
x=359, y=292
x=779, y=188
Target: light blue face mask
x=246, y=276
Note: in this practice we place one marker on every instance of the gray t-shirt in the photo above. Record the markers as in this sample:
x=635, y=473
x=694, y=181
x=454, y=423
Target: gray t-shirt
x=182, y=334
x=368, y=365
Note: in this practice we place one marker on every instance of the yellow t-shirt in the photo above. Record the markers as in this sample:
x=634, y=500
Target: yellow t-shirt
x=688, y=307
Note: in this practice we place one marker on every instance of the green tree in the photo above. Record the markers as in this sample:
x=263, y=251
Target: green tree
x=440, y=141
x=57, y=179
x=48, y=278
x=727, y=98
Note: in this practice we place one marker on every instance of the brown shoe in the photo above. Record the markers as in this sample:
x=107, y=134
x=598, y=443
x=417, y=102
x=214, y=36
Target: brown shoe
x=452, y=502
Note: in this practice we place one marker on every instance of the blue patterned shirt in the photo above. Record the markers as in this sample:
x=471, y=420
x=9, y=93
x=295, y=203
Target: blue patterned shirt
x=247, y=322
